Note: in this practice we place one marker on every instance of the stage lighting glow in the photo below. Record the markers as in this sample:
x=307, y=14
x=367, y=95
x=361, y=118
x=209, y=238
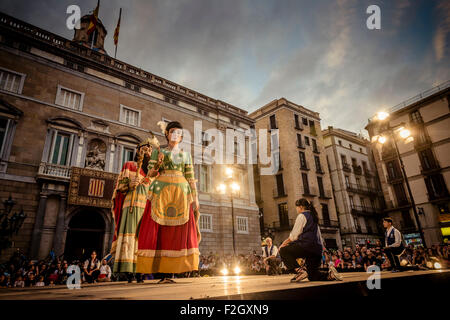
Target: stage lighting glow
x=437, y=265
x=430, y=264
x=382, y=139
x=221, y=188
x=229, y=172
x=224, y=271
x=405, y=133
x=237, y=270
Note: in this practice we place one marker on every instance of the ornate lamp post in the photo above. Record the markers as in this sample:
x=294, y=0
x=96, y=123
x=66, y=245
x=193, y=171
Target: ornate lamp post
x=389, y=132
x=9, y=225
x=232, y=187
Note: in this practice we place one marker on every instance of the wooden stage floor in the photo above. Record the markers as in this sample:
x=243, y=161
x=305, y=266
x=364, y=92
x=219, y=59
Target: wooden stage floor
x=221, y=287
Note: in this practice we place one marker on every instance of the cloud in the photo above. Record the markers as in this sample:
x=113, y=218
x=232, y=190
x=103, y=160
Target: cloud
x=248, y=52
x=440, y=40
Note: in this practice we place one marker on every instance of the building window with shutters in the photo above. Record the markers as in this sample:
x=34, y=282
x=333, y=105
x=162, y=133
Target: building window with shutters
x=283, y=214
x=60, y=154
x=318, y=165
x=11, y=81
x=69, y=98
x=299, y=141
x=3, y=129
x=306, y=190
x=206, y=222
x=298, y=125
x=127, y=155
x=7, y=130
x=280, y=185
x=273, y=122
x=303, y=164
x=130, y=116
x=307, y=140
x=204, y=178
x=242, y=224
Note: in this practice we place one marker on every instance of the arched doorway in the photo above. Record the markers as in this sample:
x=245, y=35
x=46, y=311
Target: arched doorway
x=85, y=233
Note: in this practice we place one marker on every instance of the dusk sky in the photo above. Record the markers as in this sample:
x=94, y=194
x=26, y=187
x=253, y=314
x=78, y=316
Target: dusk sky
x=318, y=54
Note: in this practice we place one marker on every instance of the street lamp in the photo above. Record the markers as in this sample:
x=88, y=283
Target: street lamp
x=405, y=134
x=9, y=225
x=233, y=187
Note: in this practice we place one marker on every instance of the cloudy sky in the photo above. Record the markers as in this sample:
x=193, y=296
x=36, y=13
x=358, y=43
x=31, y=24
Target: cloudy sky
x=318, y=54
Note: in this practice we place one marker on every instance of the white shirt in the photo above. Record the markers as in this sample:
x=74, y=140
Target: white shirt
x=300, y=223
x=397, y=235
x=297, y=229
x=274, y=251
x=94, y=265
x=105, y=269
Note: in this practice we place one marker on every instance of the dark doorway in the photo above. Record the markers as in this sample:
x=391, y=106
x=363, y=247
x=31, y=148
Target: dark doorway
x=85, y=234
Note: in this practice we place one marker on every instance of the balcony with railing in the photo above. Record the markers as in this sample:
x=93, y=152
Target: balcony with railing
x=283, y=225
x=364, y=210
x=430, y=169
x=368, y=173
x=398, y=177
x=388, y=153
x=355, y=188
x=50, y=170
x=328, y=223
x=357, y=170
x=346, y=167
x=391, y=205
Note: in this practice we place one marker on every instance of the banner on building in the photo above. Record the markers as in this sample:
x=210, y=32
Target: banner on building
x=89, y=187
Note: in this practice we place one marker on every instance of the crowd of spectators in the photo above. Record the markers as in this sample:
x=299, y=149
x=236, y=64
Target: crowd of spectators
x=360, y=258
x=21, y=272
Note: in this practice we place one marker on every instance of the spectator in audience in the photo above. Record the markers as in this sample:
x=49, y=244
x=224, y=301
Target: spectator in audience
x=370, y=260
x=3, y=281
x=347, y=260
x=105, y=272
x=359, y=263
x=92, y=268
x=40, y=282
x=19, y=283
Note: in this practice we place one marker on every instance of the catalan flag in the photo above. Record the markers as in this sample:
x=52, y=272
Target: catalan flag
x=116, y=32
x=96, y=188
x=94, y=19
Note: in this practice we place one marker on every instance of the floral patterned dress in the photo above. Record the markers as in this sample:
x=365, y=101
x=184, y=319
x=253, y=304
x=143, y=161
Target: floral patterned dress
x=168, y=240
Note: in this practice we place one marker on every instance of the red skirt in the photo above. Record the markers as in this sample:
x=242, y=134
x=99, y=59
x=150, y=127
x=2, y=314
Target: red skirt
x=167, y=249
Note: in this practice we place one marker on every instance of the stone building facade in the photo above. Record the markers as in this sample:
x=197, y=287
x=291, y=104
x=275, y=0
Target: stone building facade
x=426, y=162
x=303, y=171
x=65, y=108
x=356, y=188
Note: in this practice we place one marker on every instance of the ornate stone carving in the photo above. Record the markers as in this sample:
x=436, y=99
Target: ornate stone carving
x=96, y=155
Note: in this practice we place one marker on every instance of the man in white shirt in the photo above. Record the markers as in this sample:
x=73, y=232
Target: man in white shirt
x=393, y=244
x=270, y=258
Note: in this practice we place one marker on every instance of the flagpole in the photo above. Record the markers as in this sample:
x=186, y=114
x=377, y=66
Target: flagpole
x=115, y=51
x=93, y=36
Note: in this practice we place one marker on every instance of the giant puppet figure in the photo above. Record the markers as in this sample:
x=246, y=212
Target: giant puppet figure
x=129, y=202
x=169, y=243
